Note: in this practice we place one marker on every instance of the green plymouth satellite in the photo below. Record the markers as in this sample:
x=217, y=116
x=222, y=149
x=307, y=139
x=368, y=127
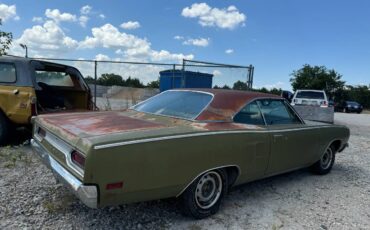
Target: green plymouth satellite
x=193, y=144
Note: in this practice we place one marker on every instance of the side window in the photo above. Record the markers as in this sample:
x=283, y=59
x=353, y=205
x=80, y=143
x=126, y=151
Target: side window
x=7, y=73
x=276, y=112
x=250, y=114
x=54, y=78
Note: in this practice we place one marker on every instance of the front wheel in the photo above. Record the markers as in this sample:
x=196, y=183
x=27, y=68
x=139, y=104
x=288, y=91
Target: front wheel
x=203, y=197
x=326, y=162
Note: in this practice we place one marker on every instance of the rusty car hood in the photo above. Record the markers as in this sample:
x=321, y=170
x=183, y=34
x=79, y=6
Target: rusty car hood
x=88, y=124
x=82, y=130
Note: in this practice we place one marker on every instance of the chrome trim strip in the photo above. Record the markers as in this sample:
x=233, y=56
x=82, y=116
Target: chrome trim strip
x=88, y=194
x=219, y=167
x=201, y=134
x=59, y=144
x=65, y=149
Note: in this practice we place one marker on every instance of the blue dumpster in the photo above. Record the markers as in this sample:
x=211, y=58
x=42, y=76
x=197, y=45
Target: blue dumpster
x=172, y=79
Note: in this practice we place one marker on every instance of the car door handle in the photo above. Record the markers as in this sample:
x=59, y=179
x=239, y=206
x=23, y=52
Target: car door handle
x=16, y=91
x=278, y=135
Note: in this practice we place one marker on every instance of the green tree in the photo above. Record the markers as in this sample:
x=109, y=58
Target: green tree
x=153, y=84
x=133, y=82
x=109, y=79
x=225, y=87
x=317, y=77
x=216, y=87
x=239, y=85
x=6, y=39
x=89, y=80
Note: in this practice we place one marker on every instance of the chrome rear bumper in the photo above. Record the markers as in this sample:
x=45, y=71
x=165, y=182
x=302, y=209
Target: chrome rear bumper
x=88, y=194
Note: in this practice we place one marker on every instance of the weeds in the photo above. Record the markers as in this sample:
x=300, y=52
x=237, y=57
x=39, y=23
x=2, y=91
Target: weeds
x=11, y=156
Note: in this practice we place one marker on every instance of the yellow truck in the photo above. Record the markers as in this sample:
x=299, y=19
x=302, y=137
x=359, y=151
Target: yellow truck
x=30, y=87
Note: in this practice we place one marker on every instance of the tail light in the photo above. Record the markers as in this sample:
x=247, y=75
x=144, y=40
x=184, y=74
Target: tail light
x=41, y=132
x=78, y=159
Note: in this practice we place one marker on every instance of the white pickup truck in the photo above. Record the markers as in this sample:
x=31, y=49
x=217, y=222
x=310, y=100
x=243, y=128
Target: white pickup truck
x=310, y=97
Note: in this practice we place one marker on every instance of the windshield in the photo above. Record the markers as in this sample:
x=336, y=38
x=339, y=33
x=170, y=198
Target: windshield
x=181, y=104
x=310, y=95
x=352, y=103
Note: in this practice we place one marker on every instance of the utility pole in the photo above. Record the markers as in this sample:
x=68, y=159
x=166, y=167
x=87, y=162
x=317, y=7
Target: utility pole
x=24, y=46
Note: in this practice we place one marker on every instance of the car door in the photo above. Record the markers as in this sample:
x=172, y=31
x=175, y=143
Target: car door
x=257, y=141
x=292, y=143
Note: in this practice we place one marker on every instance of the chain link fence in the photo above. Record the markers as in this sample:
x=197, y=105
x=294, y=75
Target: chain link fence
x=117, y=85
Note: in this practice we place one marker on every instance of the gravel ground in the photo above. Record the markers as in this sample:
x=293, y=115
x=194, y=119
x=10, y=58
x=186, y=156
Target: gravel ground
x=30, y=198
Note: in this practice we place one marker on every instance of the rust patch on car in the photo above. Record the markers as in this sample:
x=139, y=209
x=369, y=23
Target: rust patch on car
x=98, y=123
x=226, y=103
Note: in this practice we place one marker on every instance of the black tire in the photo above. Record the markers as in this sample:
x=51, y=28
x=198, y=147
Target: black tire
x=192, y=203
x=326, y=162
x=4, y=128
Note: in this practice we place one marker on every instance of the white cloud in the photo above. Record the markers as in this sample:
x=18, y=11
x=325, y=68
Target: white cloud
x=130, y=25
x=216, y=73
x=85, y=9
x=8, y=12
x=57, y=16
x=203, y=42
x=128, y=45
x=83, y=20
x=102, y=57
x=228, y=18
x=45, y=40
x=178, y=37
x=102, y=16
x=229, y=51
x=277, y=85
x=38, y=19
x=165, y=55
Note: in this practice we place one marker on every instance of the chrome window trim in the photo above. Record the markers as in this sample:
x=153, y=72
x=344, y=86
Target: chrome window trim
x=104, y=146
x=263, y=116
x=177, y=90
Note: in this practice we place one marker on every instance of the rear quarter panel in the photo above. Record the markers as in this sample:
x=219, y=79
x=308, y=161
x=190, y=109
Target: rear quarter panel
x=162, y=169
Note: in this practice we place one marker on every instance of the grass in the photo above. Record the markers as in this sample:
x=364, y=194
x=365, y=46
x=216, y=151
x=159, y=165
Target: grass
x=11, y=156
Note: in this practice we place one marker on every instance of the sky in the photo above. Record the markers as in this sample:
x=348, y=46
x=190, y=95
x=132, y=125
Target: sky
x=276, y=37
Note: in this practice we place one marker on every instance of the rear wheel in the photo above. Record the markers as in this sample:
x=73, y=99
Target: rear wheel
x=203, y=197
x=4, y=128
x=326, y=162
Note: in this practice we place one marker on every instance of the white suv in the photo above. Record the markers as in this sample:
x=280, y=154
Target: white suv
x=310, y=97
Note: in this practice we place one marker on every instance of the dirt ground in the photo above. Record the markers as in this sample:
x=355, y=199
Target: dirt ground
x=30, y=198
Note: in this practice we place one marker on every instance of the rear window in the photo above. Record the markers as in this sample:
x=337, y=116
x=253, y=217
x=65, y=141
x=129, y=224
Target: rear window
x=180, y=104
x=54, y=78
x=7, y=73
x=310, y=95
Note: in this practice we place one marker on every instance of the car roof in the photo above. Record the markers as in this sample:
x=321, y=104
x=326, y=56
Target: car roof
x=226, y=103
x=310, y=90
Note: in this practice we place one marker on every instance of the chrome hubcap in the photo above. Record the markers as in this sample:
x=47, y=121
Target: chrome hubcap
x=208, y=190
x=326, y=158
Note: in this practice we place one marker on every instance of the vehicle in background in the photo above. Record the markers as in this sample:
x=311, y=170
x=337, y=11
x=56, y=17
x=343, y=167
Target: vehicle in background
x=287, y=95
x=331, y=103
x=349, y=107
x=30, y=87
x=310, y=97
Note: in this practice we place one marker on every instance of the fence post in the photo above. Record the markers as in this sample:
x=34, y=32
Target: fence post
x=95, y=81
x=173, y=75
x=183, y=74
